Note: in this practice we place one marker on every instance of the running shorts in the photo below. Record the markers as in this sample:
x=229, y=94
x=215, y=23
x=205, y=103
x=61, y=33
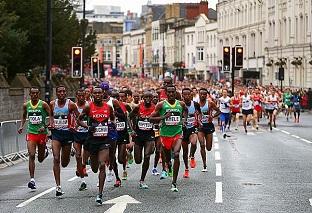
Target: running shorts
x=225, y=117
x=65, y=137
x=247, y=112
x=123, y=137
x=38, y=138
x=140, y=140
x=187, y=133
x=96, y=144
x=168, y=142
x=81, y=137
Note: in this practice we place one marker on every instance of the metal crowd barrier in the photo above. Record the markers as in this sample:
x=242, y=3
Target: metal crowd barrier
x=13, y=146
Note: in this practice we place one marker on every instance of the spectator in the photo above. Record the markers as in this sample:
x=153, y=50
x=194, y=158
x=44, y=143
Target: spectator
x=309, y=93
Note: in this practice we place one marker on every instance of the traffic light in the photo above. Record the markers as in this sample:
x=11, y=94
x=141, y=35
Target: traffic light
x=77, y=64
x=239, y=57
x=95, y=67
x=226, y=58
x=281, y=74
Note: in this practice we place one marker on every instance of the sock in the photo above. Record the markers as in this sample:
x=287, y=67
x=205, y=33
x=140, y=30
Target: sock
x=32, y=179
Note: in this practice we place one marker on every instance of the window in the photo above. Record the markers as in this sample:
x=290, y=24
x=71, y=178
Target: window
x=107, y=55
x=200, y=54
x=188, y=39
x=192, y=39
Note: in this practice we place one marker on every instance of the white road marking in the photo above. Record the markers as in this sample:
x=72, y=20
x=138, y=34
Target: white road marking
x=217, y=156
x=218, y=192
x=216, y=146
x=277, y=129
x=218, y=170
x=72, y=179
x=214, y=134
x=120, y=203
x=215, y=139
x=310, y=201
x=250, y=133
x=283, y=131
x=305, y=140
x=295, y=136
x=35, y=197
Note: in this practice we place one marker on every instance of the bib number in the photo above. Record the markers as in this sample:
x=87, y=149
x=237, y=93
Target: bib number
x=35, y=119
x=120, y=126
x=101, y=131
x=205, y=119
x=145, y=125
x=173, y=120
x=80, y=128
x=61, y=123
x=190, y=121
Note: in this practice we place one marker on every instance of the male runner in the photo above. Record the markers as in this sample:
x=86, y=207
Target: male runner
x=80, y=137
x=144, y=137
x=170, y=113
x=296, y=105
x=97, y=145
x=271, y=107
x=63, y=110
x=190, y=129
x=36, y=111
x=224, y=103
x=247, y=109
x=235, y=108
x=257, y=100
x=287, y=97
x=207, y=129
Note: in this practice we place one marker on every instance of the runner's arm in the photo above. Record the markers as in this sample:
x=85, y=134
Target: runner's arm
x=155, y=116
x=85, y=112
x=48, y=110
x=24, y=116
x=118, y=111
x=198, y=112
x=215, y=108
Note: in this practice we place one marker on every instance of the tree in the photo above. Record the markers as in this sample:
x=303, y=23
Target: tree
x=12, y=40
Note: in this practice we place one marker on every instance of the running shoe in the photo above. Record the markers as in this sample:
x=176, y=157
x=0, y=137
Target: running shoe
x=125, y=175
x=170, y=173
x=59, y=191
x=224, y=135
x=163, y=175
x=117, y=183
x=46, y=152
x=109, y=177
x=174, y=187
x=193, y=163
x=83, y=186
x=204, y=170
x=130, y=158
x=98, y=199
x=186, y=174
x=142, y=185
x=155, y=172
x=32, y=185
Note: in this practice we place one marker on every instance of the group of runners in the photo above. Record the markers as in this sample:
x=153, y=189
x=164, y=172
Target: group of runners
x=108, y=126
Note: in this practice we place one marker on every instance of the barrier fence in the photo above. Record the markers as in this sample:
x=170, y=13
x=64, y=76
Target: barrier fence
x=12, y=145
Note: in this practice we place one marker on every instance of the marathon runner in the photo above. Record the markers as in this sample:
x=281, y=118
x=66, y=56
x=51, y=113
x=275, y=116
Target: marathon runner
x=63, y=110
x=170, y=113
x=190, y=129
x=144, y=136
x=100, y=115
x=247, y=109
x=287, y=100
x=296, y=105
x=257, y=101
x=37, y=112
x=207, y=127
x=224, y=105
x=235, y=108
x=272, y=107
x=80, y=137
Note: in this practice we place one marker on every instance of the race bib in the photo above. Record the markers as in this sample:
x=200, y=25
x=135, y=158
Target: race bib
x=190, y=121
x=173, y=120
x=296, y=103
x=205, y=119
x=61, y=123
x=145, y=125
x=35, y=119
x=120, y=126
x=80, y=128
x=256, y=103
x=245, y=104
x=101, y=131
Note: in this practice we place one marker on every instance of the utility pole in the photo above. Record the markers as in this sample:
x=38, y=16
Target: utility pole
x=83, y=41
x=48, y=52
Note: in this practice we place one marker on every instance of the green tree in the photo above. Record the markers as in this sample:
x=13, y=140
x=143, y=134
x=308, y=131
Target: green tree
x=12, y=40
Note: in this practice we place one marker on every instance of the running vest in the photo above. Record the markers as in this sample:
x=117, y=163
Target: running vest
x=62, y=118
x=246, y=102
x=121, y=124
x=205, y=114
x=191, y=117
x=236, y=106
x=225, y=104
x=172, y=125
x=36, y=117
x=144, y=127
x=110, y=102
x=162, y=95
x=287, y=98
x=85, y=120
x=99, y=117
x=272, y=103
x=257, y=100
x=296, y=102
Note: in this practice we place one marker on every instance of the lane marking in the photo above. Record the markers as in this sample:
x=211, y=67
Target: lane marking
x=218, y=170
x=295, y=136
x=310, y=201
x=218, y=192
x=72, y=179
x=250, y=133
x=214, y=134
x=277, y=129
x=283, y=131
x=305, y=140
x=35, y=197
x=216, y=146
x=216, y=139
x=217, y=155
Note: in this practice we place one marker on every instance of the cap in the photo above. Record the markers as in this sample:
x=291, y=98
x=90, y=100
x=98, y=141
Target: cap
x=104, y=85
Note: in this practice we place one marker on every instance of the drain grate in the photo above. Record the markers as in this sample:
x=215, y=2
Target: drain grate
x=251, y=184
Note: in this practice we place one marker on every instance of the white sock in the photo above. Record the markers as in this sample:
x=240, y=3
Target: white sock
x=32, y=179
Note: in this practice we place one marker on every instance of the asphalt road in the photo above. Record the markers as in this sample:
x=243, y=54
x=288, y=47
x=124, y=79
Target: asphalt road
x=262, y=171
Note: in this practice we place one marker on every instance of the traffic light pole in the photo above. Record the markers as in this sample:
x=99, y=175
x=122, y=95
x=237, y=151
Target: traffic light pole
x=48, y=53
x=233, y=70
x=83, y=42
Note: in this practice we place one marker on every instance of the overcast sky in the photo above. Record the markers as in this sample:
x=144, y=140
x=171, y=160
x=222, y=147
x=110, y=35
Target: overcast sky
x=135, y=5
